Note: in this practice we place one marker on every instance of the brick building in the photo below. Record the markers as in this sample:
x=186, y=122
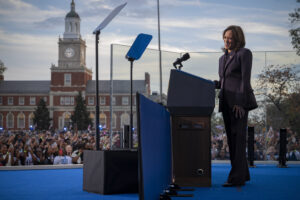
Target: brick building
x=18, y=99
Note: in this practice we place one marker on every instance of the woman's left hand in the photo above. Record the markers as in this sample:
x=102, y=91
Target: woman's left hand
x=239, y=111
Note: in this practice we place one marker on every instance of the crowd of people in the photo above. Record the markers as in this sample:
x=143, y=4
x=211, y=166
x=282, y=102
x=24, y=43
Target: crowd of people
x=266, y=146
x=45, y=148
x=48, y=148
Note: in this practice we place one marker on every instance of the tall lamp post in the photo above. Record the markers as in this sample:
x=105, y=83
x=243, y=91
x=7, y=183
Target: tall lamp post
x=159, y=50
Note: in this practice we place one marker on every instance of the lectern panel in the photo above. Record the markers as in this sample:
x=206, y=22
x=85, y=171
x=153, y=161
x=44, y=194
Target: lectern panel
x=190, y=95
x=191, y=151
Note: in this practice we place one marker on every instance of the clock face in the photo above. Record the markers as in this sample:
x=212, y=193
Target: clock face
x=69, y=52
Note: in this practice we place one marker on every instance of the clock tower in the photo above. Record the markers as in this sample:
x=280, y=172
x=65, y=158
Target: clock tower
x=71, y=72
x=71, y=75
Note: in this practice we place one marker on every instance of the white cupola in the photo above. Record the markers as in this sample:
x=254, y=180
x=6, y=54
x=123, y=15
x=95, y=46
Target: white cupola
x=72, y=24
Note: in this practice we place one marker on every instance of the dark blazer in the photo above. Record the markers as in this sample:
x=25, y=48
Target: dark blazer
x=235, y=74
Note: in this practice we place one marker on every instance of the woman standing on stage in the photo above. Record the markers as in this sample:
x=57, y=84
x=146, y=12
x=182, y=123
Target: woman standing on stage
x=236, y=98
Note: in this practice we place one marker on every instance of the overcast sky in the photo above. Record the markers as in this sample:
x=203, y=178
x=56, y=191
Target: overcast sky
x=29, y=29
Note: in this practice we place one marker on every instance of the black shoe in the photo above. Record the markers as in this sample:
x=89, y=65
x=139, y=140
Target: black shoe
x=226, y=184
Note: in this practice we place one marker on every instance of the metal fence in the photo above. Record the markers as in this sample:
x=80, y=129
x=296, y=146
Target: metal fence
x=205, y=65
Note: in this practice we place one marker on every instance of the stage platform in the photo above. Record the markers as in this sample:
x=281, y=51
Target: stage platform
x=267, y=182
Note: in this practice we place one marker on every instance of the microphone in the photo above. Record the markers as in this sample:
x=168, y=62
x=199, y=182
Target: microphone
x=178, y=61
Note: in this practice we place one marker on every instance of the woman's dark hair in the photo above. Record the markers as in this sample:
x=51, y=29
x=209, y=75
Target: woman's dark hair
x=238, y=36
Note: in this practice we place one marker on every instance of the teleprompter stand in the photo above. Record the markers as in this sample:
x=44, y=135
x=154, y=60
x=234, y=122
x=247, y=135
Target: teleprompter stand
x=135, y=52
x=109, y=171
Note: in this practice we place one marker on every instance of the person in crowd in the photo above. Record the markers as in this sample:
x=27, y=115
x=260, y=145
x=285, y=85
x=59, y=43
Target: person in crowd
x=30, y=157
x=6, y=157
x=77, y=155
x=62, y=158
x=236, y=98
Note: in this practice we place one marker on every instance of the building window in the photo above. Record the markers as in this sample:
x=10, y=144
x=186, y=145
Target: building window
x=10, y=120
x=1, y=100
x=67, y=119
x=45, y=99
x=67, y=101
x=68, y=79
x=102, y=100
x=92, y=117
x=21, y=120
x=1, y=120
x=113, y=101
x=125, y=100
x=21, y=100
x=30, y=119
x=10, y=101
x=62, y=100
x=114, y=121
x=32, y=100
x=124, y=119
x=60, y=122
x=90, y=100
x=103, y=120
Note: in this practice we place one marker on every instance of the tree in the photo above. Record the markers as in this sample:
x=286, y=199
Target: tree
x=292, y=109
x=41, y=116
x=2, y=67
x=80, y=118
x=295, y=32
x=276, y=83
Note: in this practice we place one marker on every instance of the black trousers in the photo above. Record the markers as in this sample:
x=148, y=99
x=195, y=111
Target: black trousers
x=236, y=129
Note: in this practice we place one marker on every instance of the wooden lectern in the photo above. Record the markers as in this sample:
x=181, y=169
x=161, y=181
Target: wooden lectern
x=191, y=101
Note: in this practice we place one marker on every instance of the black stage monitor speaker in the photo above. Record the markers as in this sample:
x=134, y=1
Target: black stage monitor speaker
x=110, y=172
x=282, y=148
x=126, y=136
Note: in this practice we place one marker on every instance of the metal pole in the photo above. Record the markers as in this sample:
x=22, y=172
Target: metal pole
x=282, y=148
x=111, y=94
x=131, y=115
x=159, y=50
x=266, y=119
x=97, y=95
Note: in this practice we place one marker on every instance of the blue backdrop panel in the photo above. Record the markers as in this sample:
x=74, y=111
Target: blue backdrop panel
x=154, y=148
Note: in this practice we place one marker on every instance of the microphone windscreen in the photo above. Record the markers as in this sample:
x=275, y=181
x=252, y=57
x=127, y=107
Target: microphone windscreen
x=185, y=56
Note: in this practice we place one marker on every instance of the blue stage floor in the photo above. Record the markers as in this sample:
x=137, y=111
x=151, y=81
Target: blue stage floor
x=267, y=182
